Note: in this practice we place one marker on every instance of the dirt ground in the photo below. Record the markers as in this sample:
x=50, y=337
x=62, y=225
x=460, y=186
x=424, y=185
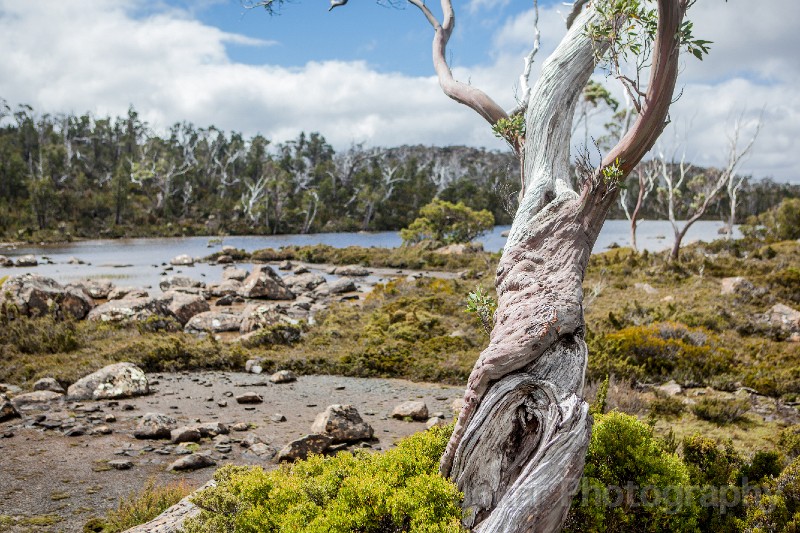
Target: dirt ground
x=53, y=482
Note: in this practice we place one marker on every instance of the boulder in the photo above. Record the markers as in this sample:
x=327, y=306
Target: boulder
x=35, y=295
x=258, y=316
x=338, y=286
x=261, y=450
x=784, y=317
x=213, y=322
x=155, y=426
x=179, y=283
x=34, y=399
x=27, y=261
x=351, y=270
x=253, y=366
x=118, y=293
x=342, y=423
x=228, y=287
x=435, y=421
x=7, y=409
x=185, y=434
x=670, y=388
x=5, y=261
x=264, y=283
x=460, y=249
x=49, y=384
x=225, y=260
x=238, y=274
x=302, y=269
x=304, y=282
x=75, y=261
x=130, y=309
x=283, y=376
x=182, y=260
x=185, y=306
x=414, y=410
x=120, y=380
x=304, y=446
x=249, y=398
x=286, y=265
x=212, y=429
x=95, y=288
x=193, y=461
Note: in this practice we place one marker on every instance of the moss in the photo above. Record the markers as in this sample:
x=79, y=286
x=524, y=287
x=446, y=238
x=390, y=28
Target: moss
x=398, y=490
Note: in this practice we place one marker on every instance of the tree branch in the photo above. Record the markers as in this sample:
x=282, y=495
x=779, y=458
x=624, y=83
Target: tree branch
x=462, y=93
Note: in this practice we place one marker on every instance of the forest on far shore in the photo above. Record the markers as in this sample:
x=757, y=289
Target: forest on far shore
x=68, y=177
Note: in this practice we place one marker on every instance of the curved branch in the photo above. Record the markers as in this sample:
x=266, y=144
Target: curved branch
x=526, y=72
x=655, y=109
x=462, y=93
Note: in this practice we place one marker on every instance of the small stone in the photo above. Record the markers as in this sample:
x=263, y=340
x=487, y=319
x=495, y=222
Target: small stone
x=109, y=419
x=194, y=461
x=240, y=426
x=49, y=384
x=222, y=403
x=185, y=434
x=414, y=410
x=304, y=446
x=342, y=423
x=278, y=417
x=670, y=388
x=261, y=450
x=249, y=398
x=434, y=421
x=101, y=430
x=121, y=464
x=283, y=376
x=76, y=431
x=155, y=426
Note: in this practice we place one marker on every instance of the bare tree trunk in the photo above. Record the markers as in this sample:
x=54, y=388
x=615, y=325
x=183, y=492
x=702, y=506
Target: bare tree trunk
x=518, y=448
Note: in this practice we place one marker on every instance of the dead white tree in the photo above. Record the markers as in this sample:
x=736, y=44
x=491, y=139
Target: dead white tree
x=736, y=156
x=646, y=177
x=518, y=448
x=686, y=196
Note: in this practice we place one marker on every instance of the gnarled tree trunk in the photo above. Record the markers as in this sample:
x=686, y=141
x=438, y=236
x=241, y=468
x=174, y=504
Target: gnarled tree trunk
x=519, y=445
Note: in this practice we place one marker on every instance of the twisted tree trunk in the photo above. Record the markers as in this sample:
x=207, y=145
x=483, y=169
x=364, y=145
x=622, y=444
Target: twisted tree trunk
x=519, y=445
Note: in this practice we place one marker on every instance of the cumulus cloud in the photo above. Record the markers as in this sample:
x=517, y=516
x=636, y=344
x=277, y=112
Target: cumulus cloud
x=105, y=55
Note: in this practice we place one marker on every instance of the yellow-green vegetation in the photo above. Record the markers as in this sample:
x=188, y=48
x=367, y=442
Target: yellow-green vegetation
x=398, y=490
x=36, y=523
x=416, y=330
x=417, y=256
x=140, y=507
x=625, y=456
x=67, y=351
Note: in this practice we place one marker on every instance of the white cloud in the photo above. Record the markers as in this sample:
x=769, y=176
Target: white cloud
x=104, y=55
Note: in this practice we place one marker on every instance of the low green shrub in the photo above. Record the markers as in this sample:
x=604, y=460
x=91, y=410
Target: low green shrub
x=630, y=483
x=398, y=490
x=139, y=508
x=666, y=406
x=763, y=466
x=659, y=352
x=44, y=335
x=721, y=410
x=714, y=471
x=275, y=335
x=789, y=442
x=778, y=508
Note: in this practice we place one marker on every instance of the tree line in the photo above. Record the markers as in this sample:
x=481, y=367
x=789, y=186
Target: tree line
x=81, y=176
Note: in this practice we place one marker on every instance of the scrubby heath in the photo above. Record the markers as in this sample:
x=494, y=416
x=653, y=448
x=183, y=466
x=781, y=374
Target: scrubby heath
x=722, y=457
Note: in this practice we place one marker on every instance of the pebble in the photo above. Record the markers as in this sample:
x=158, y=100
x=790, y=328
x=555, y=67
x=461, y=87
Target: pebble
x=121, y=464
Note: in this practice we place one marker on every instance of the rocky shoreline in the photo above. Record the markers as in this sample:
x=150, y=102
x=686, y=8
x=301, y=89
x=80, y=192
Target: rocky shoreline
x=68, y=455
x=70, y=459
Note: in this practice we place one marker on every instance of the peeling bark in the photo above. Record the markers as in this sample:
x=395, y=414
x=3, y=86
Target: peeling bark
x=518, y=448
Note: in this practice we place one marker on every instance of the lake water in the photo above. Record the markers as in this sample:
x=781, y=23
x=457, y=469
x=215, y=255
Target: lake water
x=141, y=262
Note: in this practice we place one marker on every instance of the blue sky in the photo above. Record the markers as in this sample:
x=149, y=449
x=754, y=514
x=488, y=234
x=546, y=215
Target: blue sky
x=362, y=73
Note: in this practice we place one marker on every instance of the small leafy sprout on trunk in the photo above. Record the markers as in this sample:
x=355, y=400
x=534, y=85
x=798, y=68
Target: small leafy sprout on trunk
x=484, y=306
